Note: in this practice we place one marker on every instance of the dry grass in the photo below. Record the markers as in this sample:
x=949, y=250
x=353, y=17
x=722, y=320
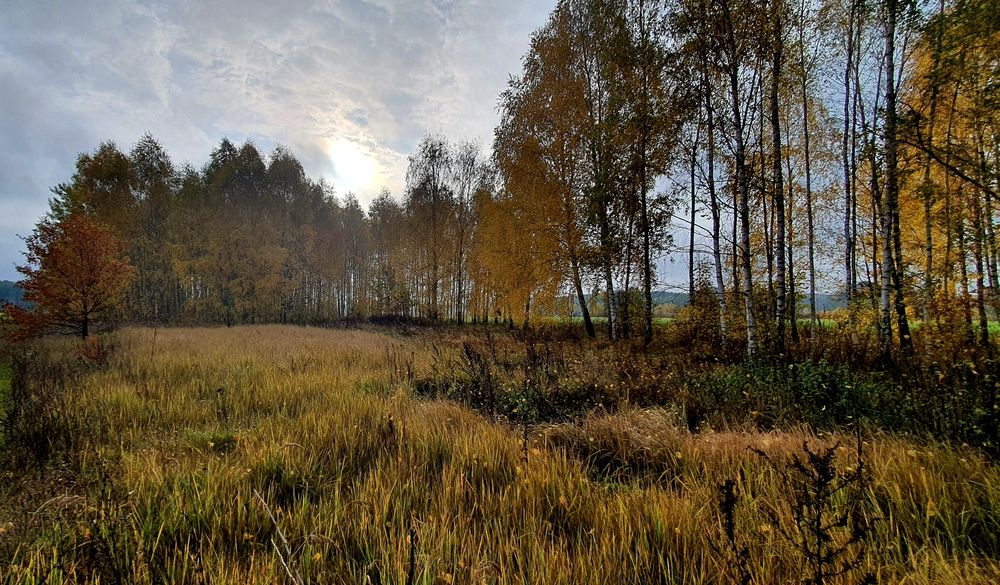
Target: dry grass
x=185, y=425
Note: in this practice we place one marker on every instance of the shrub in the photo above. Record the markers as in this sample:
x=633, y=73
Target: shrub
x=769, y=395
x=826, y=522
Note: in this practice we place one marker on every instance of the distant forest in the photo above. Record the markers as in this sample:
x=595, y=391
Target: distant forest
x=10, y=292
x=842, y=144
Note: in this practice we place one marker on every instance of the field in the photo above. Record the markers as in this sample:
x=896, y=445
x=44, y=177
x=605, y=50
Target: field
x=268, y=454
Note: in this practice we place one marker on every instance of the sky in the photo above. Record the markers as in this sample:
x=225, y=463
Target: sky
x=349, y=86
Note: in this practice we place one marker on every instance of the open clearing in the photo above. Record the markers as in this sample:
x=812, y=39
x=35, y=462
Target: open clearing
x=169, y=444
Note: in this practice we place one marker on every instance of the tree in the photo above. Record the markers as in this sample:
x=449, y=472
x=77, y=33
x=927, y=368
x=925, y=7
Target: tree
x=152, y=176
x=597, y=29
x=466, y=172
x=429, y=199
x=810, y=215
x=891, y=248
x=848, y=147
x=102, y=187
x=74, y=277
x=541, y=155
x=652, y=125
x=735, y=48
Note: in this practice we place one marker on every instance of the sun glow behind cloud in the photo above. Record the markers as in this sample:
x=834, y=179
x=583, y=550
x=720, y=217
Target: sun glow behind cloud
x=349, y=87
x=354, y=167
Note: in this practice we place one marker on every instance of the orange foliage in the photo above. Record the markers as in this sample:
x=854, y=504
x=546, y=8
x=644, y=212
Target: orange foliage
x=74, y=276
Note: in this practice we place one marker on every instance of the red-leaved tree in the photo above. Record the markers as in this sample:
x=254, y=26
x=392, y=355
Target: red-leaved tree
x=75, y=276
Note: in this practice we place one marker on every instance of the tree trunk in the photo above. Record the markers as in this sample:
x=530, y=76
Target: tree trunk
x=742, y=181
x=846, y=152
x=610, y=302
x=713, y=197
x=948, y=213
x=810, y=219
x=779, y=187
x=607, y=267
x=622, y=298
x=792, y=303
x=647, y=261
x=927, y=187
x=885, y=328
x=768, y=215
x=647, y=267
x=434, y=255
x=964, y=277
x=581, y=298
x=694, y=151
x=989, y=234
x=892, y=179
x=459, y=308
x=978, y=252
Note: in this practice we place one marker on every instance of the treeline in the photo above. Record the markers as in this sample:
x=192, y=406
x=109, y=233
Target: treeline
x=845, y=145
x=249, y=238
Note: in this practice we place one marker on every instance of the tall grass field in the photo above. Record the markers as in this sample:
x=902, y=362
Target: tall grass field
x=278, y=454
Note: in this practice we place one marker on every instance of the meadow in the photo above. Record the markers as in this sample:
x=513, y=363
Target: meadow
x=270, y=454
x=4, y=389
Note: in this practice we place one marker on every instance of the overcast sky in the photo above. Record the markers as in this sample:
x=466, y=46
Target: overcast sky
x=349, y=86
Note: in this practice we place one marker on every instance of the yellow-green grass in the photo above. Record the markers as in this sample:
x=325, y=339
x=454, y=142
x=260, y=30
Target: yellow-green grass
x=189, y=424
x=4, y=391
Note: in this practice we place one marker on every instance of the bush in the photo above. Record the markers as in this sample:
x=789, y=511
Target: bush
x=769, y=395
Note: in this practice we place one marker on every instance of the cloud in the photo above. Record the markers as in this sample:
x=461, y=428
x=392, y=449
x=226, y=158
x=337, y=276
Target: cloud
x=374, y=73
